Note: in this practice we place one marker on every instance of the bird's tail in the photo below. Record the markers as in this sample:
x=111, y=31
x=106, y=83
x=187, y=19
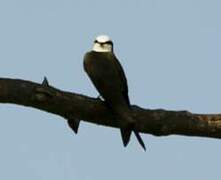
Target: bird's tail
x=126, y=134
x=126, y=128
x=140, y=139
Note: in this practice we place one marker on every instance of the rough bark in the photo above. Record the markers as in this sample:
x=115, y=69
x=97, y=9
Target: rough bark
x=72, y=106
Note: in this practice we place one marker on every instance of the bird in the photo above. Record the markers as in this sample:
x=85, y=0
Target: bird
x=108, y=77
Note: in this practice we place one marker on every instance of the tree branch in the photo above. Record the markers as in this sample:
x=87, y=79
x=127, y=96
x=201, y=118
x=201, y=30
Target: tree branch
x=75, y=106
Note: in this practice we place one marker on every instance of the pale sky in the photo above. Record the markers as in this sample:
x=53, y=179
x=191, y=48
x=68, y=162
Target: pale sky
x=170, y=51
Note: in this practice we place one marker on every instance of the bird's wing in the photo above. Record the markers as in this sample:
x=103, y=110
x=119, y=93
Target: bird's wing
x=122, y=75
x=93, y=60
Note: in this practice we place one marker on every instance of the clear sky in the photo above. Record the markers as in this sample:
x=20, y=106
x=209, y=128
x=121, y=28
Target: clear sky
x=171, y=54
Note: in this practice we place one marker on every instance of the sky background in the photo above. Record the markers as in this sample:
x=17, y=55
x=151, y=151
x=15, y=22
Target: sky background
x=170, y=51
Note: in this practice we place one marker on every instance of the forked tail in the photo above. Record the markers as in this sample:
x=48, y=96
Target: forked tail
x=126, y=128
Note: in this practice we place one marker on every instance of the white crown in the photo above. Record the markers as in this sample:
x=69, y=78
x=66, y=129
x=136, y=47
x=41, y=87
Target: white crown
x=103, y=38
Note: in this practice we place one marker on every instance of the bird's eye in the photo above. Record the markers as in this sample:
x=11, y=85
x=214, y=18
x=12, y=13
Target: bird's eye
x=109, y=42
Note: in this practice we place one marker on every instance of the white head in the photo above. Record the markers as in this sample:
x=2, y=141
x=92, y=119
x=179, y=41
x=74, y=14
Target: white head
x=103, y=44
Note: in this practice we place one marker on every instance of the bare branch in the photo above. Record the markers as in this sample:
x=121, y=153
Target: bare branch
x=73, y=106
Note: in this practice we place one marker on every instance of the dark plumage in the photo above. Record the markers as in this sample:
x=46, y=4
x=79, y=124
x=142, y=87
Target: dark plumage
x=108, y=77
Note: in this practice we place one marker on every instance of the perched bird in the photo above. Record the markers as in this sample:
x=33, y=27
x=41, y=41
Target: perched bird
x=107, y=75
